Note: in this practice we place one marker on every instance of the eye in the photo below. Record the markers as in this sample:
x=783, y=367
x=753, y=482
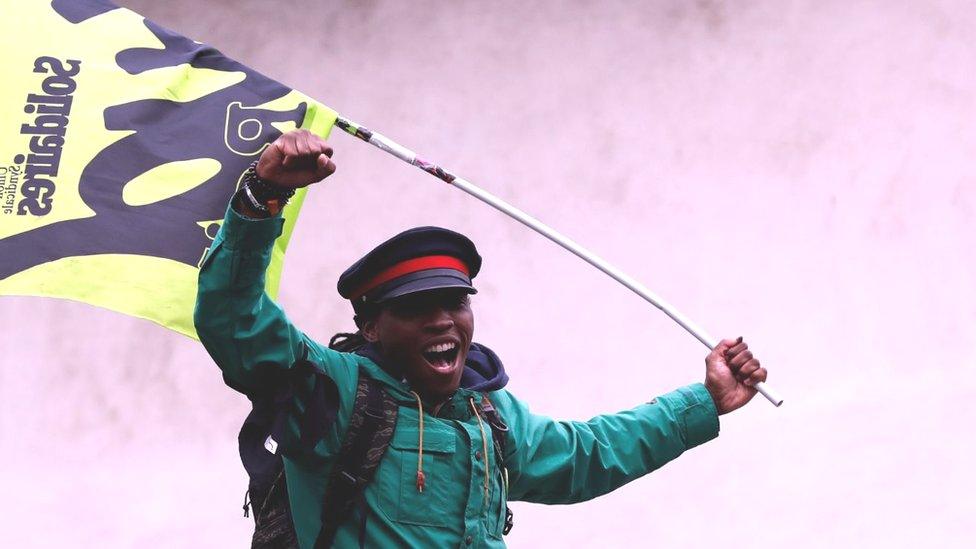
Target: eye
x=413, y=306
x=455, y=302
x=406, y=308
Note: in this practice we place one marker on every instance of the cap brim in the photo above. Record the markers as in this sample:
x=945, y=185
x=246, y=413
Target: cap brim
x=432, y=281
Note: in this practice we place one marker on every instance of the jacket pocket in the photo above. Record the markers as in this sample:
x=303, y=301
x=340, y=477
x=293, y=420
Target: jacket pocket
x=432, y=506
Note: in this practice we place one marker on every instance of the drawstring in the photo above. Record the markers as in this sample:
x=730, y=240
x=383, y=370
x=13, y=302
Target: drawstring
x=484, y=443
x=491, y=416
x=421, y=480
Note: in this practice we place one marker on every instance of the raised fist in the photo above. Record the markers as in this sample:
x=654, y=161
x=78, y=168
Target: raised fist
x=296, y=159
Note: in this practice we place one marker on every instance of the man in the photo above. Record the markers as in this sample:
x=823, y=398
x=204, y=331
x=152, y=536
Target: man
x=460, y=448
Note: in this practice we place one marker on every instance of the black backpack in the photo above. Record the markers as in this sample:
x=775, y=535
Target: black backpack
x=371, y=427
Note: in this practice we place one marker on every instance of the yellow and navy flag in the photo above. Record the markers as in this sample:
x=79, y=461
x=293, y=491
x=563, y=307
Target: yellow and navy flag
x=120, y=146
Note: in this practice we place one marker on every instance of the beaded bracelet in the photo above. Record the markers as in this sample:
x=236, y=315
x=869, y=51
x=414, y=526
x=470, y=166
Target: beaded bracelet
x=264, y=195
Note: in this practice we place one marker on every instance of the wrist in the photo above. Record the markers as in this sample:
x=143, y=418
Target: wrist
x=715, y=395
x=240, y=204
x=262, y=195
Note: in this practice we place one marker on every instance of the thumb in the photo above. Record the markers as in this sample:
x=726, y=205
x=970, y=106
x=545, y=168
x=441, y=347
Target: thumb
x=324, y=166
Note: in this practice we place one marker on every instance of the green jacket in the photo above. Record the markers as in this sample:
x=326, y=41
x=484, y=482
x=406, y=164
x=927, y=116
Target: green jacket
x=547, y=461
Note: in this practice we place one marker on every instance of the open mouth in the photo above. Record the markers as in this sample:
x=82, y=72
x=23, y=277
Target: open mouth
x=441, y=355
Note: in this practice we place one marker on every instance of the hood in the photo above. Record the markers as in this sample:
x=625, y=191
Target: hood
x=483, y=370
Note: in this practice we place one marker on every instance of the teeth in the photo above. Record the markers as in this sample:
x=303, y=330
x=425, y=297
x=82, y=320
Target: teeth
x=439, y=348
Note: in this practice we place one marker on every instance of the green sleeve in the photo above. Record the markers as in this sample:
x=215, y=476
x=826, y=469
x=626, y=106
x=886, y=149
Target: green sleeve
x=573, y=461
x=245, y=331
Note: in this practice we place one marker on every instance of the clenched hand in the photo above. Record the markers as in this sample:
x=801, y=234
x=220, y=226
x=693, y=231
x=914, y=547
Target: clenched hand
x=731, y=373
x=296, y=159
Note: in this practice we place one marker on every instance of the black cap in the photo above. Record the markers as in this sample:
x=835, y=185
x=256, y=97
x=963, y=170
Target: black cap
x=416, y=260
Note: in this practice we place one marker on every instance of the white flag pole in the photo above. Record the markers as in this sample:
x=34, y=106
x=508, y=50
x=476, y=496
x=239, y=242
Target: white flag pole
x=410, y=157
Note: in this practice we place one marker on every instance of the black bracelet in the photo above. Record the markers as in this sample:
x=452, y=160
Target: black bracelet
x=263, y=191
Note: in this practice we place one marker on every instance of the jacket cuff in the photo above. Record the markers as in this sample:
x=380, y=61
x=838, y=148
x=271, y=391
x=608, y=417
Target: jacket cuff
x=696, y=414
x=248, y=234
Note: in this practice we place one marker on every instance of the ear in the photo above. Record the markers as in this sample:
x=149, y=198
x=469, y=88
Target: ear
x=368, y=328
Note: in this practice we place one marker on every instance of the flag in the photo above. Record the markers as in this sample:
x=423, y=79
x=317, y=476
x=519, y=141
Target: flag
x=121, y=144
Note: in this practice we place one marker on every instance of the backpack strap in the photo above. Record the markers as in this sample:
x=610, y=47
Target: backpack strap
x=273, y=525
x=265, y=427
x=499, y=429
x=370, y=429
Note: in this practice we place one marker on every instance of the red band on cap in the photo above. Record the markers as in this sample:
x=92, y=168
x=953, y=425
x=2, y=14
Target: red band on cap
x=407, y=267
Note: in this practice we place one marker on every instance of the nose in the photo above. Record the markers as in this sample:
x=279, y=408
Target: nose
x=440, y=320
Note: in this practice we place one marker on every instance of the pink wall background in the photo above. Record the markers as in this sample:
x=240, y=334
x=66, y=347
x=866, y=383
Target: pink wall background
x=798, y=172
